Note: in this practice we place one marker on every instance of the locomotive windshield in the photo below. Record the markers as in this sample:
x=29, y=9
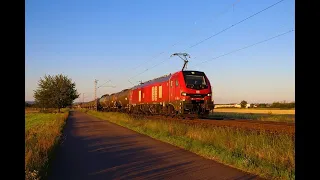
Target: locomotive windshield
x=195, y=80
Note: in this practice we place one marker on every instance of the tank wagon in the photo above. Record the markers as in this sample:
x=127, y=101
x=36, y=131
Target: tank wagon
x=114, y=102
x=182, y=93
x=90, y=105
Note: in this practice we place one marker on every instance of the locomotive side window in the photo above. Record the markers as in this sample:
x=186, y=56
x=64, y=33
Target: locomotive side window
x=160, y=91
x=139, y=96
x=171, y=83
x=155, y=92
x=152, y=95
x=177, y=83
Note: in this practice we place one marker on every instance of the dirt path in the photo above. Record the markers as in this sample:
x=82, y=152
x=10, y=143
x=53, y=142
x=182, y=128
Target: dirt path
x=96, y=149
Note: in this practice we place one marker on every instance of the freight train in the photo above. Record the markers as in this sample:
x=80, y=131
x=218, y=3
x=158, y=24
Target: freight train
x=183, y=93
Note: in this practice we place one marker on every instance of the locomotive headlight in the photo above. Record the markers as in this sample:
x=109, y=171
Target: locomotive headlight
x=209, y=94
x=183, y=94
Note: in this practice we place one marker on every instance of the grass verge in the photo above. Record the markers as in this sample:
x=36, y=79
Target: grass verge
x=290, y=118
x=42, y=134
x=268, y=155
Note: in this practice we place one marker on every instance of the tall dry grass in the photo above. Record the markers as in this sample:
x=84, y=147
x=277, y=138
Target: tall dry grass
x=42, y=134
x=31, y=110
x=269, y=155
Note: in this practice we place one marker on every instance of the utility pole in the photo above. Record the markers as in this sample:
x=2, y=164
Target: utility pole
x=79, y=103
x=95, y=88
x=95, y=92
x=82, y=98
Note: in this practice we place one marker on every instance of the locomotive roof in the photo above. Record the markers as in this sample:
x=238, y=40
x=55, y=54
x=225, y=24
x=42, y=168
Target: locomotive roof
x=156, y=80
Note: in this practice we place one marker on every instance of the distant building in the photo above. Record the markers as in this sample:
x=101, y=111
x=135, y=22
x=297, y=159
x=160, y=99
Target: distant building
x=233, y=105
x=230, y=105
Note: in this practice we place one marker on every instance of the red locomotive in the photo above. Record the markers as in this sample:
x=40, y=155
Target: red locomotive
x=181, y=93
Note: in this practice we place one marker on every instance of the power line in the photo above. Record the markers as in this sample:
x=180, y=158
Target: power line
x=222, y=12
x=103, y=84
x=213, y=35
x=83, y=96
x=150, y=59
x=246, y=47
x=234, y=25
x=96, y=87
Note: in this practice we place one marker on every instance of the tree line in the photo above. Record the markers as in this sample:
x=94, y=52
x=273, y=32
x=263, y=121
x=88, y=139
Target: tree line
x=282, y=105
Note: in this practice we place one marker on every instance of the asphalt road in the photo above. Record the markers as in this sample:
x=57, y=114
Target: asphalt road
x=97, y=149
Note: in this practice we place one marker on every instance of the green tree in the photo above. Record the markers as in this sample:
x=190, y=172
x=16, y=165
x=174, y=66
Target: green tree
x=243, y=104
x=55, y=92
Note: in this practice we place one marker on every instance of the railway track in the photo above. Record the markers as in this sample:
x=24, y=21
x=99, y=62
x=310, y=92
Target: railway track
x=251, y=125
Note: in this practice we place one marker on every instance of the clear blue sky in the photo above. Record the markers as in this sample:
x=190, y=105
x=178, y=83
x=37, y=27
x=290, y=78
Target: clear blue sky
x=106, y=40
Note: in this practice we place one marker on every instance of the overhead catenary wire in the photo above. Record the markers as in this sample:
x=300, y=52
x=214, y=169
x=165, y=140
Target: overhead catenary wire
x=245, y=47
x=103, y=84
x=82, y=96
x=156, y=56
x=225, y=29
x=228, y=52
x=237, y=23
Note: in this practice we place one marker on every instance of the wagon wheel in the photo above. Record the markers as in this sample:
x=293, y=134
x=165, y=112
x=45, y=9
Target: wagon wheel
x=171, y=111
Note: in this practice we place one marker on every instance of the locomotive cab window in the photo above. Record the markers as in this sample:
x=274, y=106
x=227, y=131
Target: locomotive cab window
x=195, y=80
x=177, y=83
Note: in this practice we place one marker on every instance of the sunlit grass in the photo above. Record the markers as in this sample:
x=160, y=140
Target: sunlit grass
x=254, y=116
x=42, y=133
x=268, y=155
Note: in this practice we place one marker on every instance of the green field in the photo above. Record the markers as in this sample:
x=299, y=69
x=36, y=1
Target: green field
x=42, y=134
x=255, y=116
x=269, y=155
x=276, y=115
x=257, y=110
